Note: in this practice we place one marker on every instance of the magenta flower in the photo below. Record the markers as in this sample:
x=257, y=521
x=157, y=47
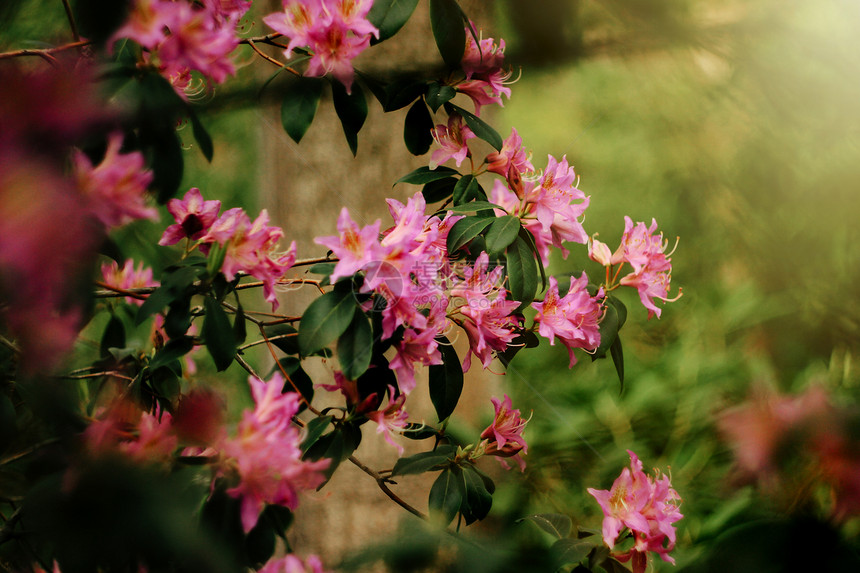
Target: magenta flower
x=116, y=188
x=416, y=347
x=354, y=247
x=504, y=437
x=452, y=141
x=292, y=564
x=513, y=154
x=652, y=267
x=266, y=455
x=648, y=507
x=392, y=420
x=128, y=277
x=193, y=217
x=574, y=318
x=485, y=77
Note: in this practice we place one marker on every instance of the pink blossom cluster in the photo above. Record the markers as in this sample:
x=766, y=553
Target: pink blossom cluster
x=574, y=318
x=182, y=36
x=646, y=506
x=249, y=247
x=141, y=436
x=772, y=428
x=646, y=253
x=128, y=277
x=292, y=564
x=407, y=268
x=334, y=31
x=483, y=63
x=265, y=453
x=504, y=437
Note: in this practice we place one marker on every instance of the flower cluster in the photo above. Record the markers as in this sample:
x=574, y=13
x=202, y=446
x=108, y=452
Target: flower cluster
x=483, y=63
x=292, y=564
x=647, y=506
x=334, y=31
x=127, y=277
x=181, y=37
x=573, y=318
x=141, y=436
x=248, y=247
x=504, y=437
x=265, y=453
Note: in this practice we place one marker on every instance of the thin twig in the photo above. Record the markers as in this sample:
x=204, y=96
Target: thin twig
x=23, y=453
x=45, y=53
x=137, y=293
x=381, y=482
x=113, y=373
x=306, y=262
x=271, y=59
x=264, y=341
x=71, y=18
x=10, y=345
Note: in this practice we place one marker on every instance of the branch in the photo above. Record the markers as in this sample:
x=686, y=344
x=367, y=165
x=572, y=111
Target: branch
x=381, y=482
x=45, y=53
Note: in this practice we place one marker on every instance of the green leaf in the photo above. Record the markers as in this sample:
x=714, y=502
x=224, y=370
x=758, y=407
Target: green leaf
x=480, y=127
x=569, y=551
x=167, y=161
x=174, y=349
x=479, y=501
x=449, y=31
x=502, y=232
x=440, y=190
x=352, y=111
x=355, y=346
x=204, y=140
x=555, y=524
x=447, y=494
x=617, y=354
x=289, y=344
x=416, y=129
x=620, y=308
x=466, y=189
x=425, y=461
x=526, y=236
x=522, y=276
x=299, y=381
x=526, y=339
x=300, y=105
x=218, y=334
x=325, y=319
x=389, y=16
x=465, y=230
x=240, y=332
x=473, y=207
x=446, y=380
x=325, y=269
x=314, y=430
x=437, y=94
x=401, y=93
x=424, y=175
x=608, y=332
x=113, y=336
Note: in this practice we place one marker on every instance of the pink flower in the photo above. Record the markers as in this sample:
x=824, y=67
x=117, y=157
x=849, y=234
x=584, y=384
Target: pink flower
x=251, y=248
x=393, y=419
x=266, y=454
x=513, y=154
x=128, y=277
x=647, y=507
x=416, y=347
x=504, y=437
x=485, y=77
x=144, y=437
x=652, y=268
x=573, y=318
x=452, y=141
x=193, y=217
x=116, y=188
x=292, y=564
x=354, y=247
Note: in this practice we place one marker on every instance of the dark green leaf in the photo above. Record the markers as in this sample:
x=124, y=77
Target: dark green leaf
x=325, y=269
x=175, y=349
x=352, y=111
x=314, y=430
x=449, y=31
x=424, y=175
x=416, y=431
x=608, y=332
x=167, y=162
x=416, y=129
x=570, y=551
x=336, y=446
x=474, y=206
x=300, y=105
x=259, y=543
x=425, y=461
x=240, y=332
x=325, y=319
x=522, y=276
x=465, y=230
x=204, y=140
x=401, y=93
x=355, y=346
x=447, y=494
x=526, y=236
x=480, y=127
x=437, y=94
x=98, y=20
x=446, y=380
x=526, y=339
x=178, y=319
x=620, y=308
x=555, y=524
x=114, y=335
x=298, y=380
x=617, y=354
x=218, y=334
x=440, y=190
x=389, y=16
x=502, y=232
x=288, y=342
x=478, y=499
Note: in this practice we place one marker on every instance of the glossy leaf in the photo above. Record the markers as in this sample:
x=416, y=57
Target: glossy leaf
x=473, y=207
x=479, y=501
x=174, y=349
x=325, y=319
x=608, y=332
x=314, y=430
x=423, y=462
x=447, y=494
x=389, y=16
x=569, y=551
x=522, y=275
x=424, y=175
x=440, y=190
x=289, y=341
x=351, y=109
x=501, y=233
x=204, y=140
x=416, y=129
x=555, y=524
x=437, y=94
x=465, y=230
x=480, y=127
x=113, y=336
x=617, y=354
x=465, y=189
x=218, y=334
x=449, y=31
x=299, y=106
x=297, y=379
x=355, y=346
x=446, y=380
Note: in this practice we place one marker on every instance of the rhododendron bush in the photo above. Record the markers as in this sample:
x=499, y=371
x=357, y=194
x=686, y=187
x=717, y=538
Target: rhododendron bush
x=118, y=456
